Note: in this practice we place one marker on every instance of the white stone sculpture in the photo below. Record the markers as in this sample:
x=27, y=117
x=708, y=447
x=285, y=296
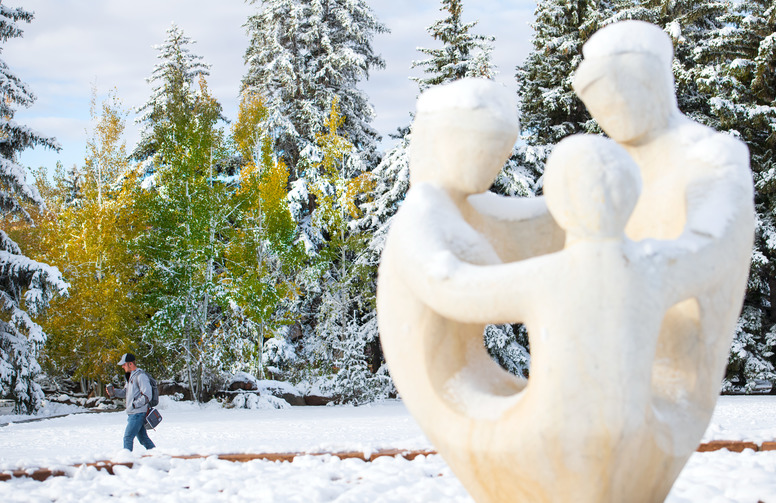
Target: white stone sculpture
x=622, y=384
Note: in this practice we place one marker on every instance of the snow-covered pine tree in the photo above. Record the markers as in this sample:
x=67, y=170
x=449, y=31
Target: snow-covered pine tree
x=361, y=375
x=392, y=180
x=304, y=54
x=26, y=286
x=735, y=66
x=463, y=54
x=549, y=108
x=689, y=23
x=332, y=307
x=173, y=77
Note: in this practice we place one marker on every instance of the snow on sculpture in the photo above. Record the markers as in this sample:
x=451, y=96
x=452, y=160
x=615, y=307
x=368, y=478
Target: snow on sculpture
x=629, y=321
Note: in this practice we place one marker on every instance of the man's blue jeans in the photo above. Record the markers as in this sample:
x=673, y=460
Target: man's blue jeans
x=135, y=429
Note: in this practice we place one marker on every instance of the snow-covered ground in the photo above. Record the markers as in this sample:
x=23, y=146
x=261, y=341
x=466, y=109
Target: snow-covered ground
x=60, y=442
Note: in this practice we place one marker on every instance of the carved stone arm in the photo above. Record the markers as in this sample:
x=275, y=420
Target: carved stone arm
x=470, y=293
x=517, y=227
x=710, y=241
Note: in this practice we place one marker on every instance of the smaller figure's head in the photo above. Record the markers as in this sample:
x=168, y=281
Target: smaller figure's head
x=127, y=362
x=591, y=185
x=626, y=80
x=463, y=134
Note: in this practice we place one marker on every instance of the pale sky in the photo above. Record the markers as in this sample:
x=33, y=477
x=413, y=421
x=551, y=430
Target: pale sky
x=74, y=44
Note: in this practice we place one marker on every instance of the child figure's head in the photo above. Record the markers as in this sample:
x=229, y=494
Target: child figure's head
x=591, y=185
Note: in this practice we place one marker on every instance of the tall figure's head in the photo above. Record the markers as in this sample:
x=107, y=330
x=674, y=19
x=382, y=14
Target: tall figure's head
x=626, y=80
x=462, y=134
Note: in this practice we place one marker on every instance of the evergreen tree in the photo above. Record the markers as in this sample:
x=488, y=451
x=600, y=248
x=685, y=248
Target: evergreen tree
x=172, y=79
x=302, y=55
x=392, y=180
x=333, y=281
x=549, y=108
x=689, y=23
x=736, y=65
x=462, y=54
x=26, y=286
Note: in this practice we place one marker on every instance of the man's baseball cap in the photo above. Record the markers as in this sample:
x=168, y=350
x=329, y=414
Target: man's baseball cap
x=128, y=357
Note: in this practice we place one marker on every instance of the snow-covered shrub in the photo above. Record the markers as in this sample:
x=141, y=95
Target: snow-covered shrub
x=258, y=402
x=278, y=355
x=354, y=381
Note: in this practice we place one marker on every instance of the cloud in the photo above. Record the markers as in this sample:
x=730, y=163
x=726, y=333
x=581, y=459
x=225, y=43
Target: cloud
x=72, y=44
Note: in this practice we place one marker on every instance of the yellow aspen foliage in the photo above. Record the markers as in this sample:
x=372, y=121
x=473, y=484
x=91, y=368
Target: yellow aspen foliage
x=358, y=190
x=335, y=206
x=91, y=232
x=262, y=255
x=245, y=132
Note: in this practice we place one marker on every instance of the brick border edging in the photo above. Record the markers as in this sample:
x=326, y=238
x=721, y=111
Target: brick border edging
x=42, y=474
x=736, y=446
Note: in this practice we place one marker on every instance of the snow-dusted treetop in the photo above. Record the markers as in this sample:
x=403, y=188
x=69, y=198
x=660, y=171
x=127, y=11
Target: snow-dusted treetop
x=172, y=79
x=177, y=65
x=304, y=54
x=463, y=54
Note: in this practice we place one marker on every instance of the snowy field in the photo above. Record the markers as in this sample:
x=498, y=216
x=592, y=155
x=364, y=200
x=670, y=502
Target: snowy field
x=60, y=442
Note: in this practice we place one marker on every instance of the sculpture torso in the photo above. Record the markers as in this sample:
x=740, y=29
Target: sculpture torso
x=681, y=168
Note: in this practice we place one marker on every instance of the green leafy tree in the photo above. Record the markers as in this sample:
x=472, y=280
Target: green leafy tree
x=263, y=254
x=187, y=211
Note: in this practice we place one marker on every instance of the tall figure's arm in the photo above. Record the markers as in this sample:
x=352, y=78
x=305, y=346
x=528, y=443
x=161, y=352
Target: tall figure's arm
x=719, y=226
x=517, y=227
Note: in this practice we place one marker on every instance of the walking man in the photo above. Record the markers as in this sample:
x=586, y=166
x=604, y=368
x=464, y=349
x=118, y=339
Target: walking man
x=137, y=393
